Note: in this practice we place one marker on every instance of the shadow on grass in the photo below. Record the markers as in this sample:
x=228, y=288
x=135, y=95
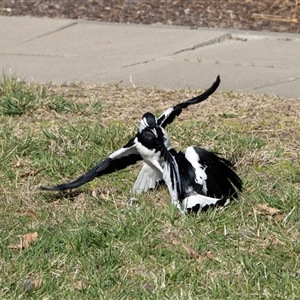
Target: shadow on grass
x=64, y=195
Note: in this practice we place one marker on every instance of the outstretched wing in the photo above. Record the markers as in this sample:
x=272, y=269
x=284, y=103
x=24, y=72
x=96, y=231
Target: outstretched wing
x=169, y=115
x=118, y=160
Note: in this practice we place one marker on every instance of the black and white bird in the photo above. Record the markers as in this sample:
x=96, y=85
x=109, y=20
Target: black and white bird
x=196, y=179
x=205, y=180
x=151, y=144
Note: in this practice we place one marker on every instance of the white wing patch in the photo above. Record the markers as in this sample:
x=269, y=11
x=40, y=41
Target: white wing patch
x=201, y=176
x=124, y=152
x=167, y=113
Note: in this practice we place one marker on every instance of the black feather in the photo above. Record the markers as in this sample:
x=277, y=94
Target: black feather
x=221, y=181
x=106, y=167
x=169, y=116
x=112, y=163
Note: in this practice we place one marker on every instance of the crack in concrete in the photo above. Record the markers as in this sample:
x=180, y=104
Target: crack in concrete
x=48, y=33
x=291, y=79
x=215, y=40
x=33, y=55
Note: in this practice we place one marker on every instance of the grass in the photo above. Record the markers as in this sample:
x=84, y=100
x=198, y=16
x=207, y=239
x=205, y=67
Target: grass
x=95, y=244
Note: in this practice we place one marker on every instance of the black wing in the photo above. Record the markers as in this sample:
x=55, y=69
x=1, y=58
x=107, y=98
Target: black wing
x=169, y=115
x=118, y=160
x=222, y=181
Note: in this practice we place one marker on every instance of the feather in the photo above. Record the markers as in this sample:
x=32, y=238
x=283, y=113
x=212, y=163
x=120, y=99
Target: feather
x=171, y=177
x=169, y=115
x=221, y=179
x=206, y=180
x=118, y=160
x=194, y=203
x=147, y=179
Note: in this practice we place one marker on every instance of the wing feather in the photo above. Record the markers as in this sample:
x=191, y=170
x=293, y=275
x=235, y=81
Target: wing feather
x=147, y=179
x=171, y=177
x=194, y=203
x=118, y=160
x=221, y=181
x=169, y=115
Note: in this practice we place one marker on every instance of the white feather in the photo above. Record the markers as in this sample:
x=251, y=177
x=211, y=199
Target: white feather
x=193, y=200
x=201, y=176
x=143, y=124
x=146, y=180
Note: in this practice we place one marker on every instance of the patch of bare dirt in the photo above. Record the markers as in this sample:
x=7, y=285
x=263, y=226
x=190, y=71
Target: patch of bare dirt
x=262, y=15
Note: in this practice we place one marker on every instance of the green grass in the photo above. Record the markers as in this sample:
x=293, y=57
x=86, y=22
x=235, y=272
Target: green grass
x=95, y=244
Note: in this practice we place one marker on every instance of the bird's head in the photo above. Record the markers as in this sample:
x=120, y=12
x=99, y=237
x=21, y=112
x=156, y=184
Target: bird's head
x=148, y=121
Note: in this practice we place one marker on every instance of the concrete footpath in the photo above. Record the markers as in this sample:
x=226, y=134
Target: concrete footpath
x=62, y=50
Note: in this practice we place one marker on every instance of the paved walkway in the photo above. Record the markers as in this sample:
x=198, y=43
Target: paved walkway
x=62, y=50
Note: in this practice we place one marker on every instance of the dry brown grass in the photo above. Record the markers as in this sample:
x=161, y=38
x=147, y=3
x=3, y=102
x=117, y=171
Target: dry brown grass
x=266, y=116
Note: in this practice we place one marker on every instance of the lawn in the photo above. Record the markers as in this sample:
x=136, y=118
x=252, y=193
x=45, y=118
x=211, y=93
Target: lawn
x=102, y=242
